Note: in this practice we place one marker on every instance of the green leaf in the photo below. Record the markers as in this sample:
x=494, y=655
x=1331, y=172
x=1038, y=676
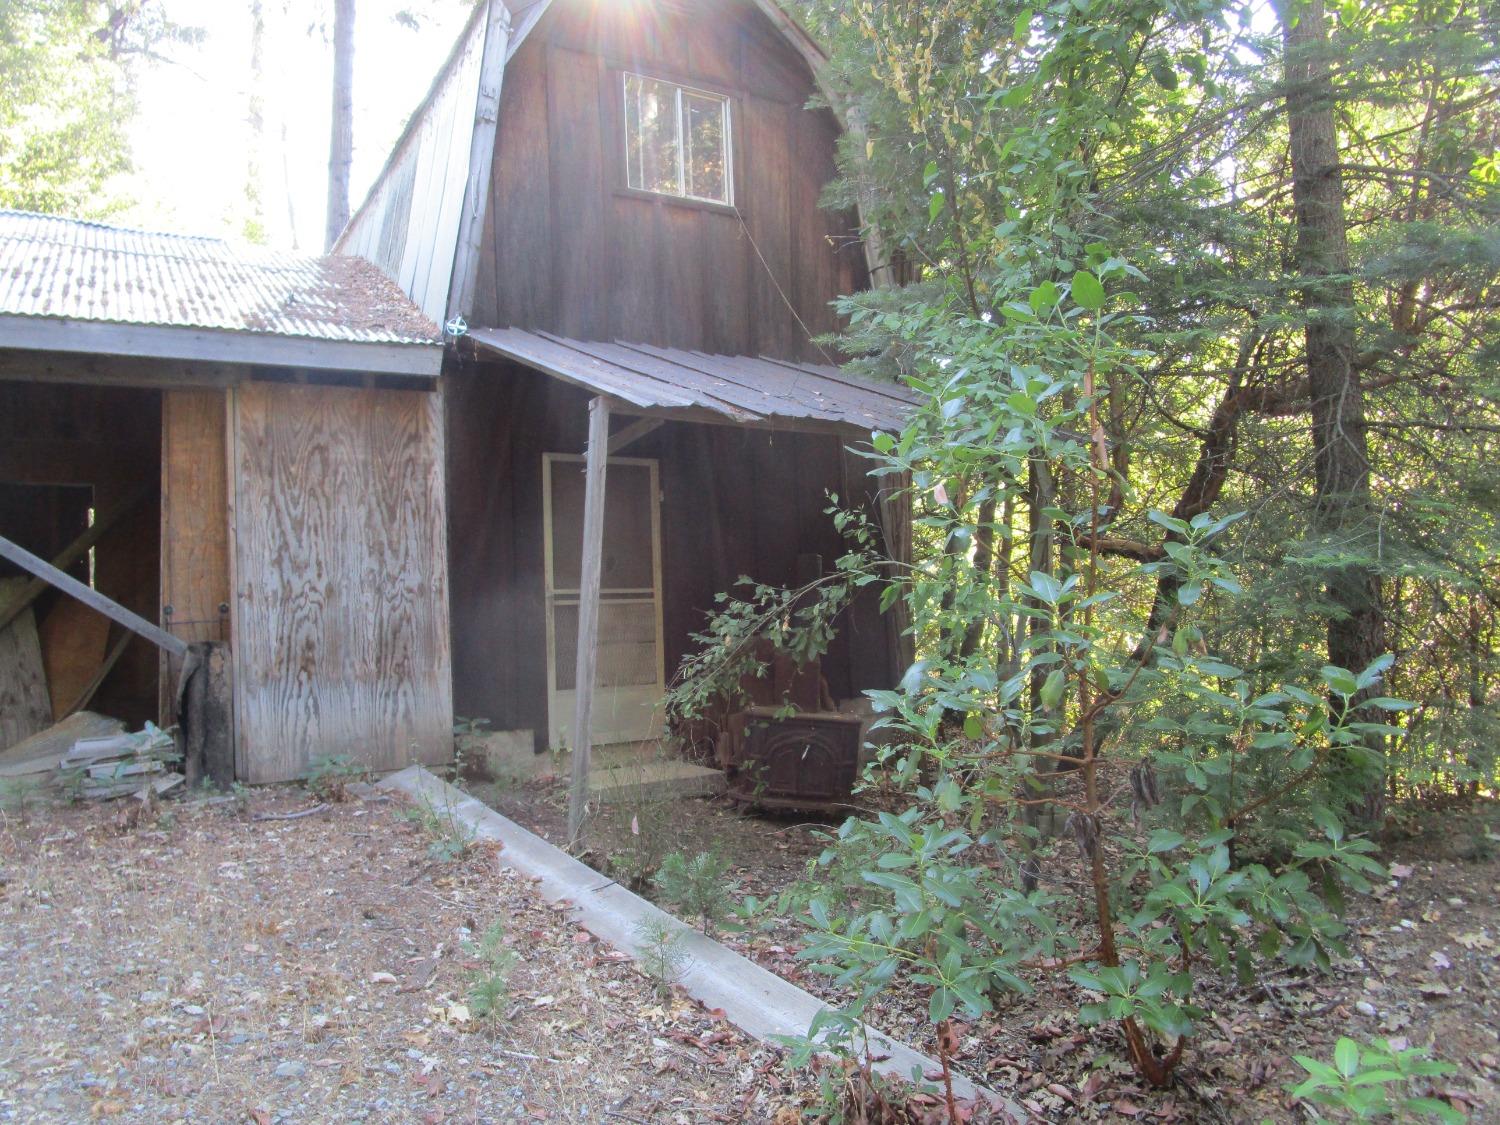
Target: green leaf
x=1044, y=297
x=1164, y=840
x=882, y=442
x=973, y=726
x=935, y=206
x=1052, y=690
x=1340, y=680
x=1346, y=1057
x=1087, y=292
x=1165, y=76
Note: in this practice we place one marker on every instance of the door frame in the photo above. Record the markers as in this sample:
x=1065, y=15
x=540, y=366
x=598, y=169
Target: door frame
x=561, y=717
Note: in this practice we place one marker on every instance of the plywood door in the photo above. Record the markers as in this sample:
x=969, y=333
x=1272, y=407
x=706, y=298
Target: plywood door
x=340, y=576
x=631, y=674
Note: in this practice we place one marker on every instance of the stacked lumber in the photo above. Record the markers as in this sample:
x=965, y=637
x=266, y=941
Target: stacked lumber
x=118, y=764
x=40, y=754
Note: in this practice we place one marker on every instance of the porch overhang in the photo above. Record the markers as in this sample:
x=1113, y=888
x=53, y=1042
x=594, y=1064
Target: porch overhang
x=675, y=384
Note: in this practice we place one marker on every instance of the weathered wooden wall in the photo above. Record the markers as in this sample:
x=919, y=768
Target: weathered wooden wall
x=735, y=501
x=409, y=225
x=107, y=439
x=194, y=525
x=568, y=249
x=340, y=578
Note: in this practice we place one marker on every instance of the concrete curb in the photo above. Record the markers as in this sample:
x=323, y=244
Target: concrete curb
x=757, y=1001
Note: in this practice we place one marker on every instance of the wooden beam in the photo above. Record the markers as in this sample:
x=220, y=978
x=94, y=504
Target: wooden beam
x=36, y=366
x=90, y=597
x=71, y=554
x=595, y=462
x=632, y=433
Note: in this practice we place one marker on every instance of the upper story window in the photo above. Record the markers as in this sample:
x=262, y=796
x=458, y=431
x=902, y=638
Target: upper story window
x=677, y=140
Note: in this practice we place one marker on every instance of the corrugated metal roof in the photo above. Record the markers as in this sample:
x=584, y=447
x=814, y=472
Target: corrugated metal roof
x=57, y=267
x=749, y=389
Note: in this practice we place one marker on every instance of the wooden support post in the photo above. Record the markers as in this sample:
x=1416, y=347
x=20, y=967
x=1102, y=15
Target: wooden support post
x=205, y=714
x=93, y=598
x=595, y=464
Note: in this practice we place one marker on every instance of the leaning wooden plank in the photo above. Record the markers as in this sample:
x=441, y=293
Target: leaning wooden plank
x=42, y=752
x=87, y=694
x=20, y=599
x=75, y=642
x=89, y=596
x=25, y=707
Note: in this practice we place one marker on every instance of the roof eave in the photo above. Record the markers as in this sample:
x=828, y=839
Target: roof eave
x=218, y=345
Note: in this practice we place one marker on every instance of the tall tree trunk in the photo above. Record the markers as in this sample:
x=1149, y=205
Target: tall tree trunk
x=255, y=117
x=1344, y=511
x=341, y=141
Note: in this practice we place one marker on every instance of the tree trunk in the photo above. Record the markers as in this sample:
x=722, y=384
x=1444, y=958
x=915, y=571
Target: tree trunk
x=1344, y=513
x=341, y=140
x=254, y=228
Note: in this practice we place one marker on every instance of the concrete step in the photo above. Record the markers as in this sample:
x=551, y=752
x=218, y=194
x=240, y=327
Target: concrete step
x=654, y=780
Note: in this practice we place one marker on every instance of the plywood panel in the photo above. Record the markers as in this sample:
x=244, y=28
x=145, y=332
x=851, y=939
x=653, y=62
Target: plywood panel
x=24, y=706
x=74, y=639
x=340, y=573
x=194, y=524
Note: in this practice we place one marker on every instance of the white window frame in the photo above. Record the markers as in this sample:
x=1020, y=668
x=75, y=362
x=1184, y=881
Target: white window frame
x=678, y=89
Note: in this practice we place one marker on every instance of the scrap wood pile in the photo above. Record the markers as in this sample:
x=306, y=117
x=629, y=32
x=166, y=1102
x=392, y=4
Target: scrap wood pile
x=94, y=757
x=100, y=768
x=49, y=669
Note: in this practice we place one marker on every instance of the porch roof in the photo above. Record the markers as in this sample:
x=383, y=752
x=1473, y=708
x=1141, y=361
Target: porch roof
x=673, y=383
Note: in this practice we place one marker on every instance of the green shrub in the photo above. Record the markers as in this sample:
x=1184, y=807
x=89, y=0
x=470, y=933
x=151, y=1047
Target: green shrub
x=1372, y=1081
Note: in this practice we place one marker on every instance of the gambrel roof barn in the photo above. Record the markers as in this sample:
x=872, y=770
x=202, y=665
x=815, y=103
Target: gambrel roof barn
x=619, y=203
x=612, y=208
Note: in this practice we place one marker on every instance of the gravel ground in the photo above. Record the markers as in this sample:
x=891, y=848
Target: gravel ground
x=209, y=966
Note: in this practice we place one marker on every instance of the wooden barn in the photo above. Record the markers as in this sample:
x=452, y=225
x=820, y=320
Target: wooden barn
x=614, y=205
x=210, y=444
x=612, y=208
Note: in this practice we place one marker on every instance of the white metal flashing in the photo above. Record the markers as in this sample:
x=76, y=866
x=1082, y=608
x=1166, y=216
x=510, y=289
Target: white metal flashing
x=64, y=334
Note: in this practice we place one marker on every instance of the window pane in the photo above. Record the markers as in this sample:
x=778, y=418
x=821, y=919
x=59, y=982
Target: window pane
x=703, y=125
x=651, y=135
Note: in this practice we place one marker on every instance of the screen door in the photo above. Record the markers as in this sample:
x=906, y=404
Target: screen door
x=630, y=675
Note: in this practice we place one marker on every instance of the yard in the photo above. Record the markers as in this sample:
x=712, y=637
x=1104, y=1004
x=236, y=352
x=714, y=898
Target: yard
x=214, y=964
x=1424, y=945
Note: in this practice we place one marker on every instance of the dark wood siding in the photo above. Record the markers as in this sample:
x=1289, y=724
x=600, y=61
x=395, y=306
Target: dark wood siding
x=568, y=249
x=734, y=501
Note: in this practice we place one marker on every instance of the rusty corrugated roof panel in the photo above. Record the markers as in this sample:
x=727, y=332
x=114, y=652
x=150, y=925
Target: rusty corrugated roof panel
x=57, y=267
x=750, y=389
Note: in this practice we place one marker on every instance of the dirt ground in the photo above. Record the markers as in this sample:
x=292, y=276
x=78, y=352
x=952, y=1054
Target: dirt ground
x=1423, y=969
x=208, y=966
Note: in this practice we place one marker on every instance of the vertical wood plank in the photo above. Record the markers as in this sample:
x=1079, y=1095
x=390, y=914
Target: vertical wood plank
x=194, y=525
x=597, y=459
